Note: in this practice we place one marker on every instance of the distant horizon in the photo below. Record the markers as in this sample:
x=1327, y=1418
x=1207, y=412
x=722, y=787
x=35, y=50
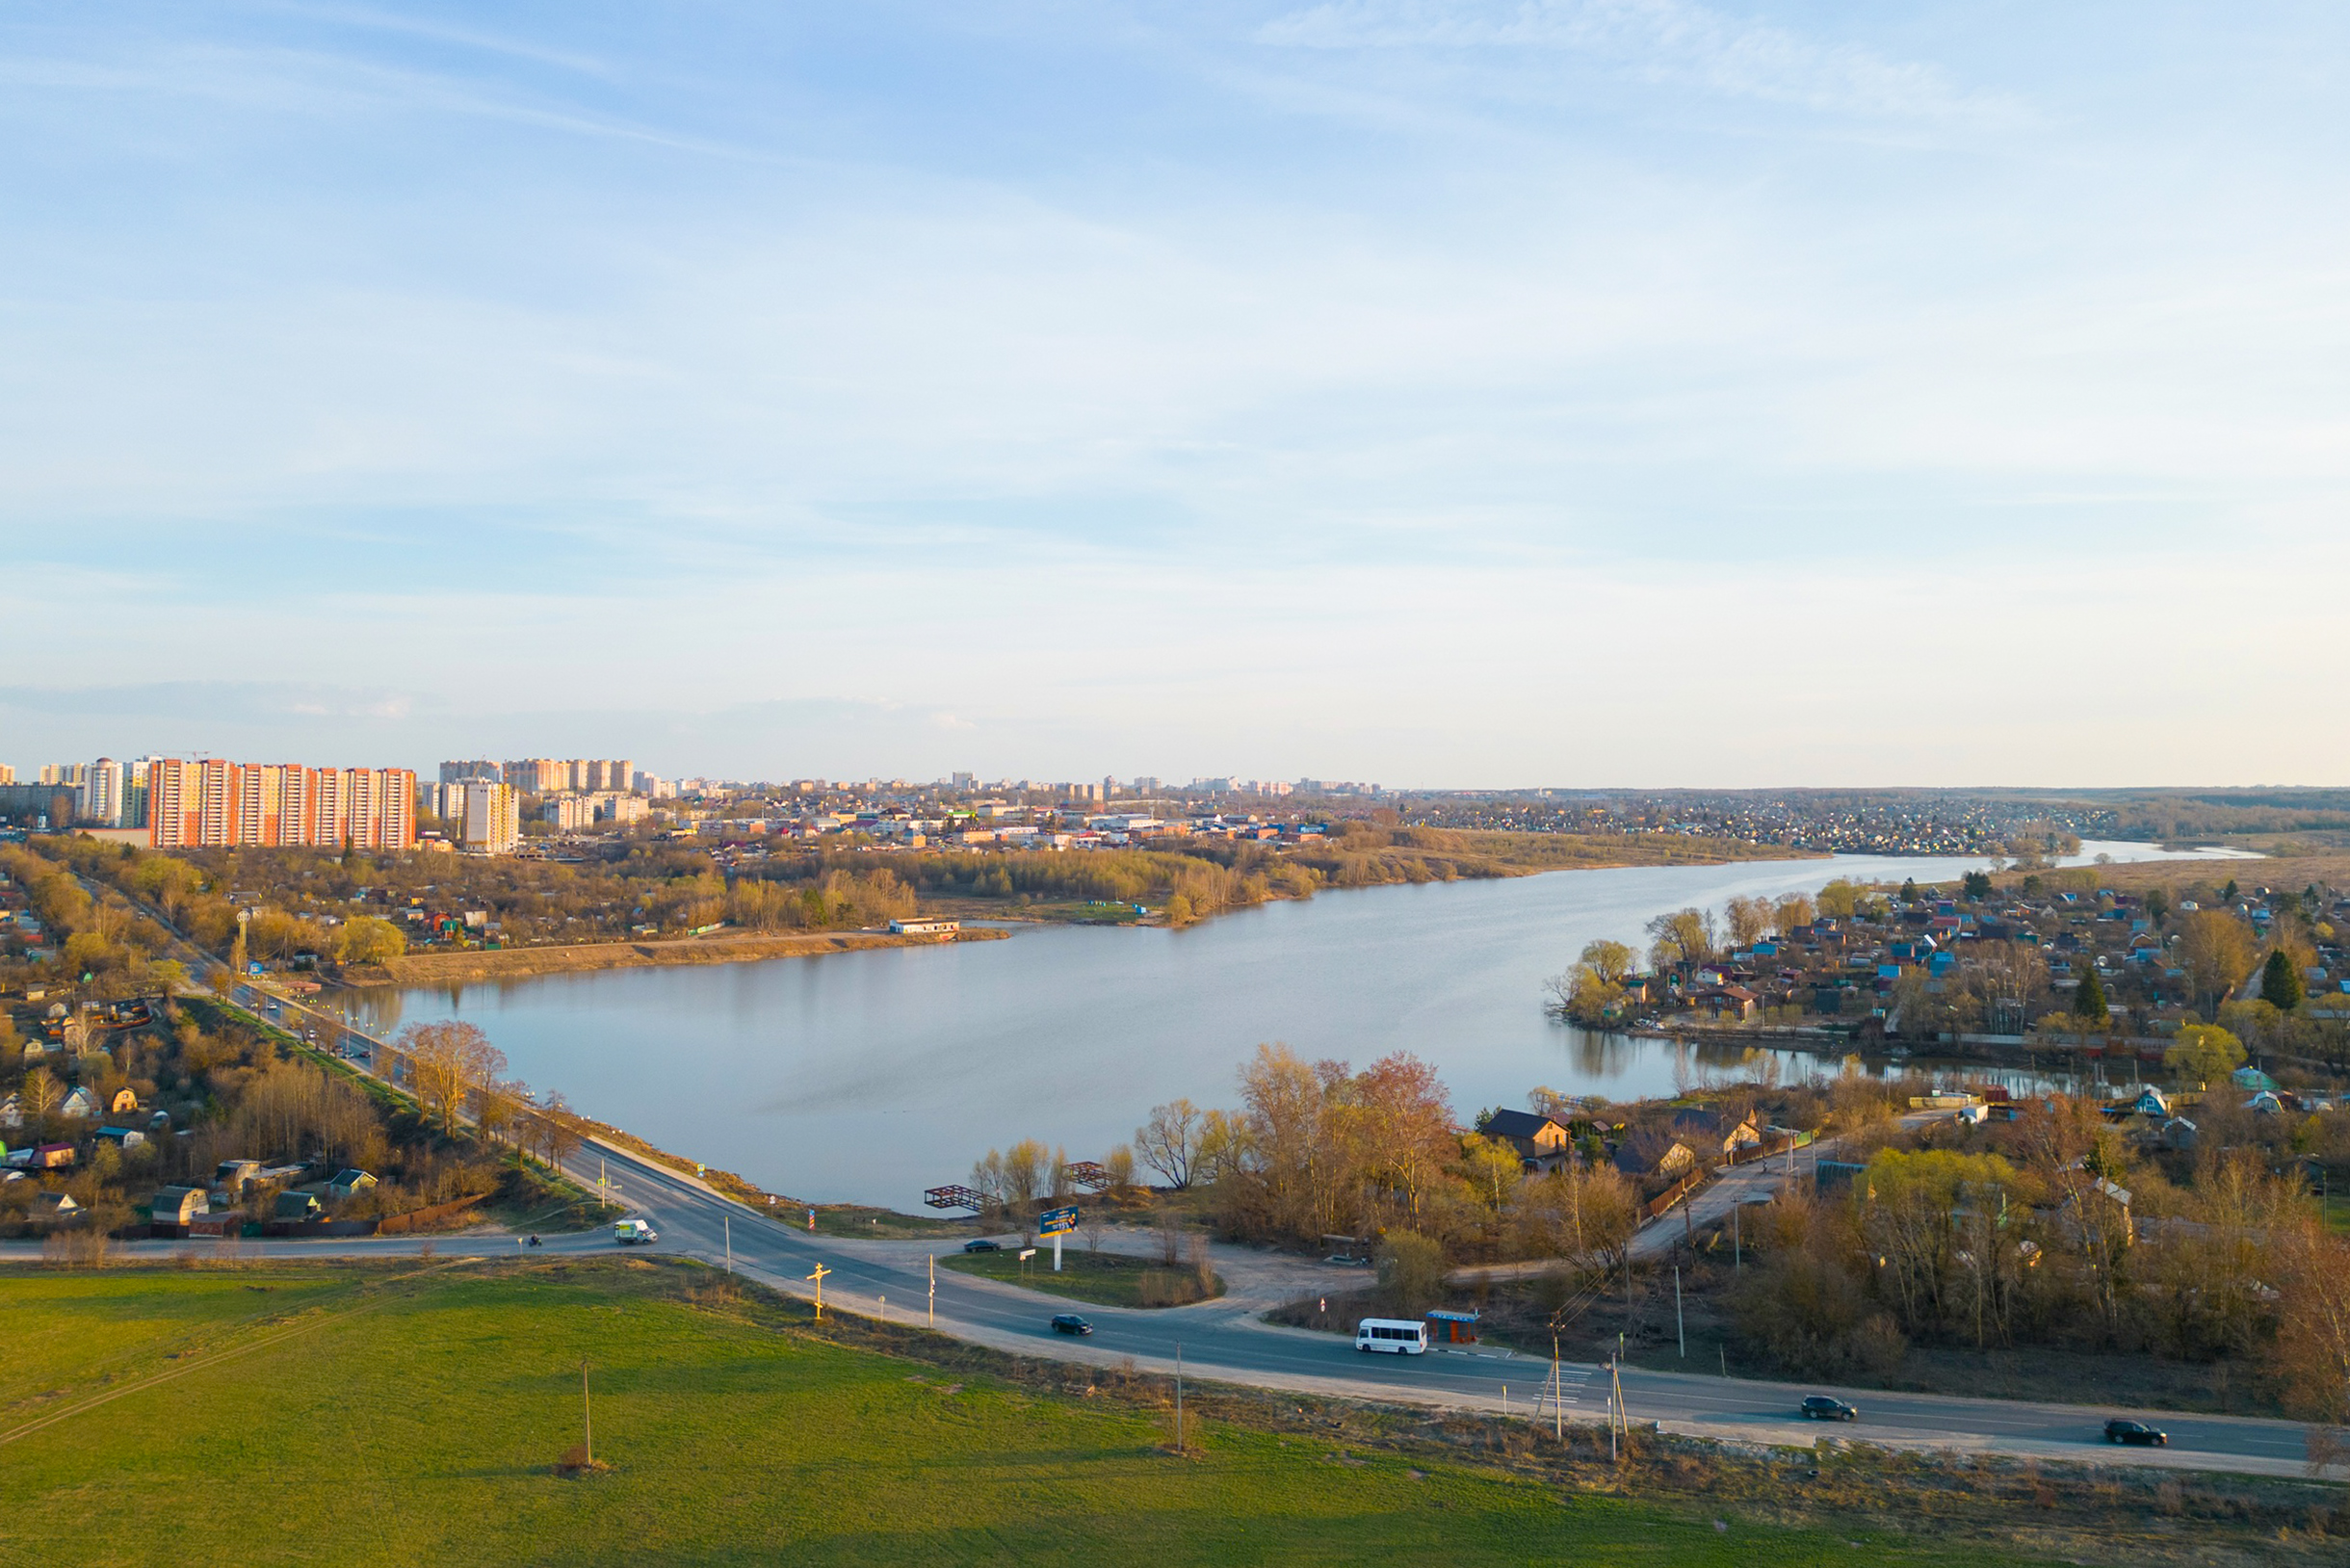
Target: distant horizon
x=28, y=774
x=1396, y=389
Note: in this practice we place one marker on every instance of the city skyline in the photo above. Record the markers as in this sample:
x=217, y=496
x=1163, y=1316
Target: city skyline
x=1614, y=393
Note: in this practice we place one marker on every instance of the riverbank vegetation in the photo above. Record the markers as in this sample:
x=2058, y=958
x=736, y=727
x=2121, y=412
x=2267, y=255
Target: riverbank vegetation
x=728, y=1427
x=304, y=909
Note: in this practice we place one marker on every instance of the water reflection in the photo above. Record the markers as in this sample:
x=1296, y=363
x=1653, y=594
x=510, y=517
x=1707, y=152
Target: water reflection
x=872, y=1075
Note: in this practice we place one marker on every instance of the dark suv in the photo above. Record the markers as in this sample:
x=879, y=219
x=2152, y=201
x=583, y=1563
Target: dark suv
x=1820, y=1407
x=2137, y=1432
x=1069, y=1322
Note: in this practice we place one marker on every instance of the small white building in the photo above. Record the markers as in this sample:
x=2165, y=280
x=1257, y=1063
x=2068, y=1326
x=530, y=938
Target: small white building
x=924, y=927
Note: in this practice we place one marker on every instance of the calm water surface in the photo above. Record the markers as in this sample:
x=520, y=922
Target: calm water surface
x=870, y=1076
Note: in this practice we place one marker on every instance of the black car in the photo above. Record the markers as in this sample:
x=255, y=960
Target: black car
x=1069, y=1322
x=982, y=1245
x=1820, y=1407
x=2137, y=1432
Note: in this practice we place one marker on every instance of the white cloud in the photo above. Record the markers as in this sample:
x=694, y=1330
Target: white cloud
x=1666, y=42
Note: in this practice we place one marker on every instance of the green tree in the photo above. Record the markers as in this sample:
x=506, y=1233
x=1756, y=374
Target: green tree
x=369, y=940
x=2204, y=1052
x=1609, y=960
x=1411, y=1272
x=2280, y=982
x=2089, y=1000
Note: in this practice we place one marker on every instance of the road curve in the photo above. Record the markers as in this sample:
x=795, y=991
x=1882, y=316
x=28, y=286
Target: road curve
x=1226, y=1341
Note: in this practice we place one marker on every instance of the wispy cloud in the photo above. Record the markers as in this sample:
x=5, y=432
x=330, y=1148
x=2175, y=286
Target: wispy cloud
x=194, y=700
x=1665, y=42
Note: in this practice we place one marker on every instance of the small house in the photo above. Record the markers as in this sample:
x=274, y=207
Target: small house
x=122, y=1137
x=1533, y=1137
x=124, y=1103
x=350, y=1183
x=54, y=1205
x=295, y=1206
x=1645, y=1154
x=1726, y=1001
x=80, y=1105
x=11, y=1111
x=52, y=1157
x=178, y=1205
x=2252, y=1080
x=2150, y=1101
x=1718, y=1133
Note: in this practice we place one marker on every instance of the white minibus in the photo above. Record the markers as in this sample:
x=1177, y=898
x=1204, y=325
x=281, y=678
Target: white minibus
x=1396, y=1336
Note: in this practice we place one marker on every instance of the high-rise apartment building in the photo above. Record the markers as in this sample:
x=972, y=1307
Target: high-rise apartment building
x=175, y=794
x=8, y=774
x=101, y=802
x=458, y=773
x=135, y=795
x=553, y=776
x=214, y=801
x=492, y=818
x=537, y=776
x=63, y=773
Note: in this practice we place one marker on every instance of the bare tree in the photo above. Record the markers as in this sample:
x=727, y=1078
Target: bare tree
x=449, y=1063
x=1169, y=1143
x=41, y=1092
x=557, y=1132
x=1749, y=919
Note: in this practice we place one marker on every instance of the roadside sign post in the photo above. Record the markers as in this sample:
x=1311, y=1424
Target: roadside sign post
x=819, y=1277
x=1057, y=1223
x=1025, y=1253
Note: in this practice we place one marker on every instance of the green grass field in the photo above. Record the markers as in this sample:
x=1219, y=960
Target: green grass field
x=1110, y=1279
x=380, y=1417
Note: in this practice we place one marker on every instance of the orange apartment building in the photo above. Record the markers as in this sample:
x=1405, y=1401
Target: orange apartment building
x=213, y=802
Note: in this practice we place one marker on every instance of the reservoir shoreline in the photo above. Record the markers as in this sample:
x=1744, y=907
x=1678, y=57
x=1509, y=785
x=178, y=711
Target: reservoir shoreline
x=884, y=1071
x=478, y=964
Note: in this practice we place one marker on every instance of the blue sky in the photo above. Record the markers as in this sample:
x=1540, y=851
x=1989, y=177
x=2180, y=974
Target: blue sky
x=1620, y=392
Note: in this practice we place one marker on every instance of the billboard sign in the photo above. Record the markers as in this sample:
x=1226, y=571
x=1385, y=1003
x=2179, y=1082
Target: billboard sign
x=1056, y=1222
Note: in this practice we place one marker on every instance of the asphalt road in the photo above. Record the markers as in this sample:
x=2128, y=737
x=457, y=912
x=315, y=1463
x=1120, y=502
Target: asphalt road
x=1224, y=1342
x=1227, y=1342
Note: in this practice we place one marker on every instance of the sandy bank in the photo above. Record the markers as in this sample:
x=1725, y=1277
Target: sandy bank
x=516, y=963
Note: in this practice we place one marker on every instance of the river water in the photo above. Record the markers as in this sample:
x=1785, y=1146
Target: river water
x=871, y=1076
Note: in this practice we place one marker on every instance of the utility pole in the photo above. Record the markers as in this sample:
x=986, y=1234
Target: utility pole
x=1558, y=1394
x=728, y=1221
x=1614, y=1393
x=933, y=1290
x=819, y=1277
x=1681, y=1327
x=1737, y=1238
x=1179, y=1395
x=586, y=1412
